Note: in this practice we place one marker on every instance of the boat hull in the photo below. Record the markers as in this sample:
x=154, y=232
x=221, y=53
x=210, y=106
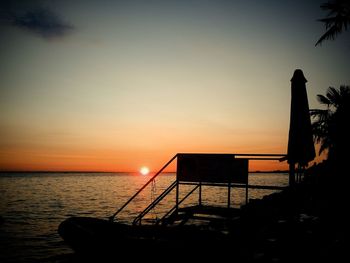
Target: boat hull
x=96, y=237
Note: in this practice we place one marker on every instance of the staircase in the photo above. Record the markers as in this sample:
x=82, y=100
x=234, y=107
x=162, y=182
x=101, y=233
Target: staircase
x=197, y=170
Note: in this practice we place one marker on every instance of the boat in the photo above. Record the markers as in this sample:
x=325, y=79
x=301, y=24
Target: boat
x=93, y=237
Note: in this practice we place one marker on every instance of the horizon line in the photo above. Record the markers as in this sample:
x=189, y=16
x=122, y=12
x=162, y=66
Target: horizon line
x=76, y=171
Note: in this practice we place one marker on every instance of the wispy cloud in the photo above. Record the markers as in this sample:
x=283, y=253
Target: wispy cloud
x=38, y=20
x=43, y=22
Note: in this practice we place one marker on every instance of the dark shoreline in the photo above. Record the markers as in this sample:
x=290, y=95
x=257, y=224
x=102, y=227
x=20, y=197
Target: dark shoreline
x=306, y=222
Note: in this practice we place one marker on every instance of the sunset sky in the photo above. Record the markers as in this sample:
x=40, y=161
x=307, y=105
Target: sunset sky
x=116, y=85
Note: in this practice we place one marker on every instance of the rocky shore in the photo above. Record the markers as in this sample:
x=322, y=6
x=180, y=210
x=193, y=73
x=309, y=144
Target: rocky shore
x=305, y=222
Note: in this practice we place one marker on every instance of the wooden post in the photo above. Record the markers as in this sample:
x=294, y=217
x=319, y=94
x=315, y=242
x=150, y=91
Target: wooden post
x=247, y=184
x=177, y=196
x=291, y=174
x=200, y=194
x=247, y=188
x=229, y=195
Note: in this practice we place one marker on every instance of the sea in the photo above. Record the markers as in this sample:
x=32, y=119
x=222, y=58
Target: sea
x=32, y=205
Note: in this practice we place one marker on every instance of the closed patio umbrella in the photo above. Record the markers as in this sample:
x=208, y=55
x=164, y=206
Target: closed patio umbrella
x=301, y=148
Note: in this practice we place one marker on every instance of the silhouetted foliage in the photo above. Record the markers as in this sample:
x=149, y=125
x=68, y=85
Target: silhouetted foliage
x=337, y=20
x=330, y=126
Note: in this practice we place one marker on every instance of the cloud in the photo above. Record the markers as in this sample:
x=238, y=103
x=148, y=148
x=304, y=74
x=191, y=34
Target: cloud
x=39, y=21
x=43, y=22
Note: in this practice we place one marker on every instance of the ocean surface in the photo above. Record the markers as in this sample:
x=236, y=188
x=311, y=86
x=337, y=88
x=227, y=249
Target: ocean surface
x=32, y=205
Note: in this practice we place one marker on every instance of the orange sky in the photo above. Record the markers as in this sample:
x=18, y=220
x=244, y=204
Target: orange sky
x=112, y=161
x=130, y=85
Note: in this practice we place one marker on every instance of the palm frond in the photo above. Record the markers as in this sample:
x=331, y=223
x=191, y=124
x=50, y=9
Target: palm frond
x=344, y=91
x=329, y=125
x=337, y=20
x=333, y=96
x=328, y=21
x=323, y=100
x=330, y=34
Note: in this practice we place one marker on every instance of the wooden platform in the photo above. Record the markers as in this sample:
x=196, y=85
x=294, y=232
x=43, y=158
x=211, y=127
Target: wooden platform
x=203, y=213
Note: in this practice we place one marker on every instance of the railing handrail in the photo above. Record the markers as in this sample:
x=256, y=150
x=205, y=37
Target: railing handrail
x=238, y=154
x=111, y=218
x=260, y=154
x=154, y=203
x=176, y=206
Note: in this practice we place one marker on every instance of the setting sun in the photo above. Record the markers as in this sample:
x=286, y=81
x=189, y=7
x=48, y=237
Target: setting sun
x=144, y=170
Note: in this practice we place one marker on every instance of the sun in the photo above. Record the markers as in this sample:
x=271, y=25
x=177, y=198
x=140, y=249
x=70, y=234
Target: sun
x=144, y=170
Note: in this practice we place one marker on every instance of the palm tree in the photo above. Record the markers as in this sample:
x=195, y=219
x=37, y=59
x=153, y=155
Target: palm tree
x=337, y=20
x=330, y=126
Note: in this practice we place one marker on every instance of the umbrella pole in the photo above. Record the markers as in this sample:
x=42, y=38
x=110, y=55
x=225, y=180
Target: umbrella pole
x=300, y=173
x=291, y=174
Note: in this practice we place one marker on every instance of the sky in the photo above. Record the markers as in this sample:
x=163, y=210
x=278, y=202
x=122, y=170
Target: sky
x=117, y=85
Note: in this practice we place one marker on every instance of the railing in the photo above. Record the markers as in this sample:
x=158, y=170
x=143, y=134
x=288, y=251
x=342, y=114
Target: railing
x=111, y=218
x=175, y=207
x=138, y=219
x=154, y=203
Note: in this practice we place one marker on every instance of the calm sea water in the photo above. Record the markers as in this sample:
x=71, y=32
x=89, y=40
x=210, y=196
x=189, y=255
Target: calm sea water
x=32, y=205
